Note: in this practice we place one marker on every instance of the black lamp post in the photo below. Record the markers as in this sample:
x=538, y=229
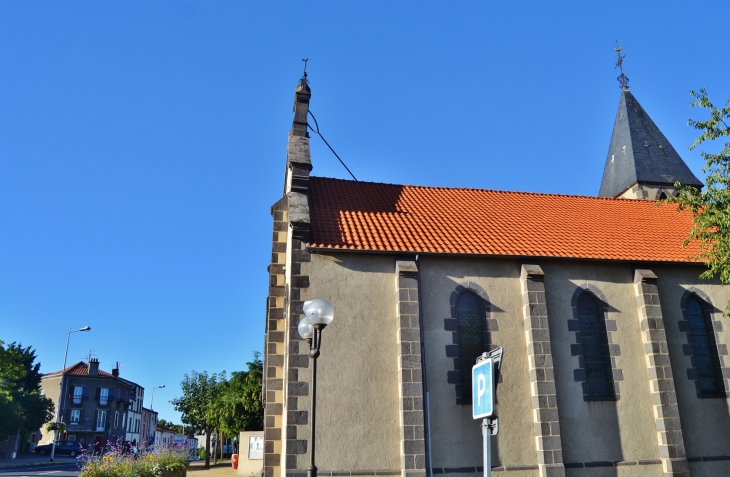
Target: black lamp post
x=62, y=395
x=319, y=313
x=153, y=397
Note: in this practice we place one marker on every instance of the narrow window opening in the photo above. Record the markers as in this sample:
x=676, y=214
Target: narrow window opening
x=704, y=347
x=594, y=341
x=471, y=321
x=662, y=196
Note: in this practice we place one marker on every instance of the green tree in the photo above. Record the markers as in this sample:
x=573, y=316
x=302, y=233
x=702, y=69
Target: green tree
x=711, y=206
x=22, y=405
x=174, y=427
x=200, y=391
x=238, y=407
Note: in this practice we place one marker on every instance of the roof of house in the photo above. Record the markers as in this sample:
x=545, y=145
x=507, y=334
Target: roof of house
x=639, y=152
x=367, y=216
x=79, y=369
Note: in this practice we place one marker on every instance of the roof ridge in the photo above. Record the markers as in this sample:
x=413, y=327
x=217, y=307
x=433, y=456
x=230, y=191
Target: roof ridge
x=516, y=192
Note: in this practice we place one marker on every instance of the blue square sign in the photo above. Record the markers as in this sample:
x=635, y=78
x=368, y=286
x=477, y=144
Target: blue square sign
x=482, y=393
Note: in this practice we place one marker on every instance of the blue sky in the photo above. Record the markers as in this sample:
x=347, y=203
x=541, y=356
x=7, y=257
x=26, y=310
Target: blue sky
x=143, y=143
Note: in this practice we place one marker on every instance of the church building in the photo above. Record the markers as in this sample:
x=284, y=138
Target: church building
x=614, y=348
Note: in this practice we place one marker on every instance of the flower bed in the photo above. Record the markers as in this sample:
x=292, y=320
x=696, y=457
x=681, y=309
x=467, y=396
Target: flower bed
x=120, y=461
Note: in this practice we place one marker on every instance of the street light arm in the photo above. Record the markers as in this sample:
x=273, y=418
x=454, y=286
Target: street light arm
x=315, y=341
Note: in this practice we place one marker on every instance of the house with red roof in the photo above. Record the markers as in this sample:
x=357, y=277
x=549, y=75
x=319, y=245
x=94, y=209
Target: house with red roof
x=613, y=348
x=96, y=406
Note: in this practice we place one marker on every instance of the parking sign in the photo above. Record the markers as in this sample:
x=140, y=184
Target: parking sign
x=482, y=389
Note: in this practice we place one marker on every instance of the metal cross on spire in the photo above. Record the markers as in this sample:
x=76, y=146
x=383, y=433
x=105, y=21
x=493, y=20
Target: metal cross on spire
x=304, y=78
x=622, y=78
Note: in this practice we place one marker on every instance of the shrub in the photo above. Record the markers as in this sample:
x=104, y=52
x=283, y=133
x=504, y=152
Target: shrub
x=119, y=461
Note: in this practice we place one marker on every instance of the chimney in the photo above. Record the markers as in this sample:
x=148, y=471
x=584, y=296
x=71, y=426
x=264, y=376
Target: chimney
x=93, y=367
x=115, y=370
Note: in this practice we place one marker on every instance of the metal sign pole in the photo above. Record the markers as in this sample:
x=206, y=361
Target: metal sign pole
x=485, y=377
x=487, y=448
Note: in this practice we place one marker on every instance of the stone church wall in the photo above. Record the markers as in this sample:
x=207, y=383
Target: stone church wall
x=705, y=422
x=360, y=387
x=622, y=430
x=457, y=439
x=357, y=373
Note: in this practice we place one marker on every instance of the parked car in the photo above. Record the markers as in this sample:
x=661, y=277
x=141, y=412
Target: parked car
x=72, y=448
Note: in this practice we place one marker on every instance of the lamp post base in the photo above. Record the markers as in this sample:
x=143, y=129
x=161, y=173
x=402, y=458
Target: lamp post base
x=312, y=471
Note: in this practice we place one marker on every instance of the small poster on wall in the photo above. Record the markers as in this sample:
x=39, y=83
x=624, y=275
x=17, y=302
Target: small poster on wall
x=256, y=448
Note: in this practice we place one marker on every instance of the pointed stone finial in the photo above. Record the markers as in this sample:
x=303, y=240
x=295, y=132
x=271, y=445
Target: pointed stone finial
x=302, y=93
x=623, y=80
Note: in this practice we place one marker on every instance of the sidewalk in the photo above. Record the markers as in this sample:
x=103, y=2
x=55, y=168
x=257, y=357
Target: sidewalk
x=35, y=460
x=222, y=469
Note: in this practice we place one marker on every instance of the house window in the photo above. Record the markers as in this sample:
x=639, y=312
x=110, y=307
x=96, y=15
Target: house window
x=100, y=421
x=704, y=349
x=471, y=319
x=75, y=416
x=116, y=418
x=104, y=397
x=78, y=394
x=71, y=437
x=594, y=341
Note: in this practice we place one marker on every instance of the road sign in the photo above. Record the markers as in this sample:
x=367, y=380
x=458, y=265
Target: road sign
x=482, y=395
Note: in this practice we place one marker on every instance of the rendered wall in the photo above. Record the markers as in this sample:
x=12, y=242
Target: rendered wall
x=705, y=422
x=601, y=431
x=357, y=420
x=357, y=383
x=456, y=437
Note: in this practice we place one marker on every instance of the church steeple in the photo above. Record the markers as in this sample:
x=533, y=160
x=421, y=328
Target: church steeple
x=641, y=163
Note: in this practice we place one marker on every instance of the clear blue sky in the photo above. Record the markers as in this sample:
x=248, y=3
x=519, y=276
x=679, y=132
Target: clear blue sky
x=143, y=143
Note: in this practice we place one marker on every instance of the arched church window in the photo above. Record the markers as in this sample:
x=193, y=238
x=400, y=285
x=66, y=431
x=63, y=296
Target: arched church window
x=662, y=196
x=594, y=341
x=704, y=348
x=471, y=321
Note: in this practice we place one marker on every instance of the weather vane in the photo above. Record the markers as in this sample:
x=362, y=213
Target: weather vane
x=622, y=78
x=304, y=78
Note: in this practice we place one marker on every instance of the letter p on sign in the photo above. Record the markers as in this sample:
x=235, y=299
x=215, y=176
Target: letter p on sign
x=482, y=389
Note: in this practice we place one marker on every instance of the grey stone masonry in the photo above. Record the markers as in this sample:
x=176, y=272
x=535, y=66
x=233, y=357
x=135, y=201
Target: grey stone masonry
x=542, y=377
x=661, y=381
x=298, y=375
x=275, y=344
x=410, y=382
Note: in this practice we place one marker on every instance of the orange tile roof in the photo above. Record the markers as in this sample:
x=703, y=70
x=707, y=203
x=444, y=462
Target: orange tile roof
x=370, y=216
x=78, y=369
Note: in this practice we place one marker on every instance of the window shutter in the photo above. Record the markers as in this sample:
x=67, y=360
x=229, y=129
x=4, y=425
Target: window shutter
x=119, y=395
x=85, y=393
x=98, y=393
x=126, y=398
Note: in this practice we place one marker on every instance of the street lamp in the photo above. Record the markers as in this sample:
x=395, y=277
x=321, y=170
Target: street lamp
x=319, y=313
x=153, y=396
x=60, y=387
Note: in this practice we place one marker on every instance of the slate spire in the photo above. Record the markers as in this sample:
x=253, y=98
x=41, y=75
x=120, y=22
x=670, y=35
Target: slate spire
x=641, y=163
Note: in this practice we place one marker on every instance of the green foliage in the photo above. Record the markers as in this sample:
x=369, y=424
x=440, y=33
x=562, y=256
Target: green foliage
x=55, y=426
x=200, y=391
x=10, y=420
x=118, y=462
x=22, y=406
x=229, y=406
x=238, y=407
x=178, y=428
x=711, y=206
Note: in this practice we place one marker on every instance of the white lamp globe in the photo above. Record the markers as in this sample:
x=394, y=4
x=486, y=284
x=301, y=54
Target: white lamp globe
x=305, y=329
x=319, y=312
